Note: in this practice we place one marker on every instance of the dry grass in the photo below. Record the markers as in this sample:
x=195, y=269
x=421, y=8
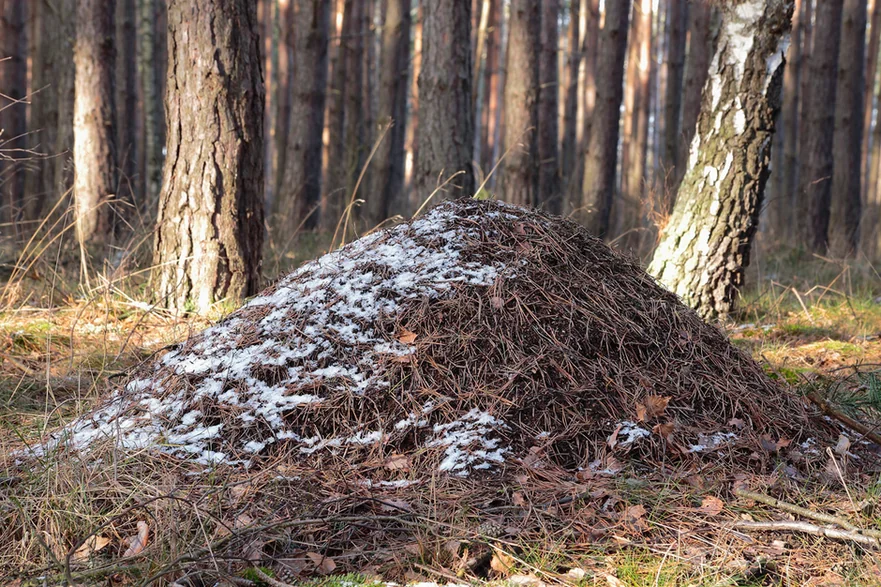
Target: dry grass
x=654, y=523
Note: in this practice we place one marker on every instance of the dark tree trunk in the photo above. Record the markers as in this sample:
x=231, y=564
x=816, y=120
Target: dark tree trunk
x=519, y=181
x=285, y=95
x=127, y=101
x=700, y=51
x=587, y=97
x=815, y=181
x=337, y=173
x=706, y=244
x=386, y=195
x=95, y=185
x=674, y=69
x=154, y=120
x=446, y=125
x=847, y=143
x=13, y=106
x=869, y=229
x=300, y=193
x=356, y=110
x=489, y=110
x=210, y=224
x=602, y=147
x=570, y=106
x=869, y=90
x=548, y=111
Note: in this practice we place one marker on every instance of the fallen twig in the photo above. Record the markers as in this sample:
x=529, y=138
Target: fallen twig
x=830, y=411
x=805, y=512
x=808, y=528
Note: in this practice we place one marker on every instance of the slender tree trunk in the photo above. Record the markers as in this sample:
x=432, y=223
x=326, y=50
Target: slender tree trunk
x=337, y=171
x=570, y=107
x=269, y=39
x=602, y=150
x=499, y=104
x=95, y=185
x=706, y=245
x=490, y=96
x=67, y=39
x=208, y=244
x=815, y=183
x=13, y=106
x=869, y=90
x=127, y=102
x=356, y=110
x=520, y=174
x=386, y=193
x=411, y=146
x=848, y=139
x=300, y=193
x=674, y=71
x=285, y=100
x=446, y=124
x=869, y=224
x=700, y=51
x=587, y=96
x=870, y=231
x=548, y=111
x=154, y=120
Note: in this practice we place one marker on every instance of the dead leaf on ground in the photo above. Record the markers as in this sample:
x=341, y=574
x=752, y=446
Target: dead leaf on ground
x=843, y=445
x=518, y=499
x=138, y=542
x=771, y=445
x=614, y=581
x=634, y=517
x=397, y=462
x=323, y=564
x=497, y=302
x=90, y=547
x=652, y=407
x=407, y=337
x=501, y=563
x=712, y=505
x=529, y=580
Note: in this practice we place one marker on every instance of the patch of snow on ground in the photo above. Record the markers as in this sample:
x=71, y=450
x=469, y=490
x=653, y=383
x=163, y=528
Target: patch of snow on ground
x=306, y=331
x=629, y=432
x=712, y=441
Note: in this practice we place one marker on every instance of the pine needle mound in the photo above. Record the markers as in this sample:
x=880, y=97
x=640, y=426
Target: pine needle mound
x=477, y=337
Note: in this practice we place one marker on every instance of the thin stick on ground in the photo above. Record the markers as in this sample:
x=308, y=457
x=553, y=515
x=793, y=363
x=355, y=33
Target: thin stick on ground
x=813, y=529
x=830, y=411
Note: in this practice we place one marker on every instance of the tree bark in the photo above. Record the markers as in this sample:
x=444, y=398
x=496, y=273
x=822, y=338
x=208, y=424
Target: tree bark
x=570, y=107
x=94, y=150
x=127, y=102
x=869, y=224
x=706, y=245
x=519, y=181
x=587, y=97
x=815, y=181
x=548, y=111
x=356, y=110
x=697, y=63
x=411, y=146
x=386, y=195
x=446, y=124
x=13, y=106
x=300, y=194
x=602, y=149
x=154, y=120
x=674, y=72
x=490, y=96
x=869, y=91
x=210, y=224
x=847, y=142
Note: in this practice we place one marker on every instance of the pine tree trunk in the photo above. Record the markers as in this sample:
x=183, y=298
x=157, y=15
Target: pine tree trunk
x=411, y=147
x=489, y=97
x=446, y=124
x=269, y=53
x=127, y=101
x=210, y=223
x=548, y=111
x=153, y=114
x=356, y=110
x=847, y=143
x=602, y=149
x=519, y=181
x=869, y=223
x=13, y=107
x=94, y=151
x=300, y=193
x=67, y=38
x=587, y=97
x=869, y=90
x=815, y=181
x=570, y=106
x=706, y=245
x=674, y=71
x=697, y=63
x=285, y=100
x=388, y=163
x=337, y=173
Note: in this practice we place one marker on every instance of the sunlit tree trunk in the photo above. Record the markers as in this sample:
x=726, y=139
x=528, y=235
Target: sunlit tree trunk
x=815, y=178
x=13, y=106
x=847, y=143
x=210, y=222
x=602, y=147
x=386, y=195
x=587, y=97
x=869, y=223
x=94, y=151
x=674, y=72
x=411, y=146
x=446, y=124
x=300, y=194
x=490, y=95
x=570, y=95
x=519, y=181
x=706, y=245
x=869, y=89
x=548, y=111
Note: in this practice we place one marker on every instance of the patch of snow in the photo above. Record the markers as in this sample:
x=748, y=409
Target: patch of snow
x=467, y=444
x=631, y=432
x=712, y=441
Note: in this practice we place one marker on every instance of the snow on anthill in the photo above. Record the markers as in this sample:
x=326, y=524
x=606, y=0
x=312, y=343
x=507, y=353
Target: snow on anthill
x=313, y=317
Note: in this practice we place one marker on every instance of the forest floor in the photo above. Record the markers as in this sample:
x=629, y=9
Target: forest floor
x=814, y=323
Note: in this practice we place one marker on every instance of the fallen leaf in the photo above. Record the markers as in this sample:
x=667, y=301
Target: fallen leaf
x=138, y=542
x=737, y=423
x=633, y=517
x=654, y=406
x=90, y=547
x=501, y=563
x=771, y=445
x=843, y=445
x=712, y=505
x=665, y=431
x=323, y=564
x=612, y=441
x=518, y=499
x=397, y=462
x=614, y=581
x=407, y=337
x=497, y=302
x=395, y=505
x=529, y=580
